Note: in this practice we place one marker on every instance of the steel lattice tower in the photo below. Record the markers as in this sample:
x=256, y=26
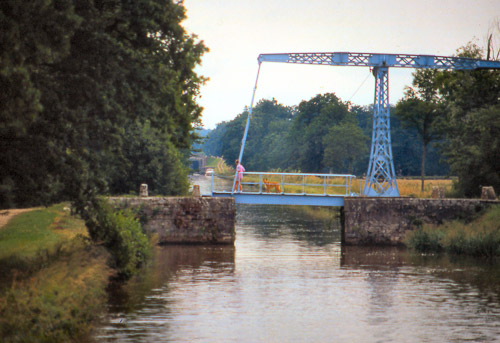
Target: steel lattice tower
x=381, y=179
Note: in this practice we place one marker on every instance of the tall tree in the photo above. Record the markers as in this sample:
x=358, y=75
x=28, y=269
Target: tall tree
x=313, y=120
x=345, y=145
x=475, y=153
x=33, y=34
x=97, y=73
x=265, y=146
x=420, y=109
x=472, y=101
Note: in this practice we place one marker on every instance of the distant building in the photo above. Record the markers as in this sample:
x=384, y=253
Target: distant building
x=198, y=162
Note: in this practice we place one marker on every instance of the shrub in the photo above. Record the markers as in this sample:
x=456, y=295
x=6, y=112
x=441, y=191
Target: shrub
x=426, y=240
x=121, y=234
x=481, y=237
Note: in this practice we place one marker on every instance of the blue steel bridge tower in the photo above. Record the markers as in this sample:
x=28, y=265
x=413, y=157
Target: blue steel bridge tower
x=380, y=177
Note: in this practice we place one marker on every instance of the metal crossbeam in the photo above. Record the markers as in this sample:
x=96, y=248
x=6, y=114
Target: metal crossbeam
x=381, y=60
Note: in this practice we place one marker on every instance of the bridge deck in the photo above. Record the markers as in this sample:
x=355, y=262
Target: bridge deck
x=285, y=188
x=283, y=199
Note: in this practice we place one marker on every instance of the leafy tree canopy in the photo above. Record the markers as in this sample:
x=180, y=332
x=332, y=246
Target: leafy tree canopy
x=462, y=106
x=323, y=134
x=472, y=100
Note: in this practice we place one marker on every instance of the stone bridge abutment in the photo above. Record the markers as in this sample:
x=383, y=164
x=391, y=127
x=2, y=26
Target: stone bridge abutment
x=366, y=221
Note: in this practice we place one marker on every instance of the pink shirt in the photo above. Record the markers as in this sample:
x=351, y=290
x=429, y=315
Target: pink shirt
x=241, y=170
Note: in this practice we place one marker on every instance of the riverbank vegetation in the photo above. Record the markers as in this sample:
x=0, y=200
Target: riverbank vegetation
x=97, y=98
x=52, y=278
x=121, y=234
x=480, y=237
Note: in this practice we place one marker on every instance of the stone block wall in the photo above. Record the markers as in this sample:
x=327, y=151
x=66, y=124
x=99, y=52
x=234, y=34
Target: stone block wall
x=186, y=220
x=385, y=221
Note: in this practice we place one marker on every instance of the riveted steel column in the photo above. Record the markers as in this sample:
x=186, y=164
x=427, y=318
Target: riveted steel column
x=381, y=178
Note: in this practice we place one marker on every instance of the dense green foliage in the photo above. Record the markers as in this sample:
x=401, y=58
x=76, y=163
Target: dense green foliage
x=420, y=110
x=472, y=125
x=481, y=237
x=319, y=135
x=467, y=104
x=121, y=234
x=311, y=128
x=97, y=96
x=266, y=141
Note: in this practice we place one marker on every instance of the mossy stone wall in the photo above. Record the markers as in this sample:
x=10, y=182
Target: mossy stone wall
x=385, y=221
x=186, y=220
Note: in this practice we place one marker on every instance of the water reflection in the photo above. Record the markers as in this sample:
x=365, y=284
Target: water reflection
x=448, y=299
x=142, y=309
x=288, y=279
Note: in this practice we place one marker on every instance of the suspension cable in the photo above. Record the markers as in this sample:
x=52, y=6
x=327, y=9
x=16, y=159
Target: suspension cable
x=361, y=85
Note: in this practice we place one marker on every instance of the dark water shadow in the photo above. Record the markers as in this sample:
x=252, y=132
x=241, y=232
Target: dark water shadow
x=308, y=226
x=168, y=260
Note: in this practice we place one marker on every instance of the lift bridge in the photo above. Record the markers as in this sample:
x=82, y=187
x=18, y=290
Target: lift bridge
x=330, y=189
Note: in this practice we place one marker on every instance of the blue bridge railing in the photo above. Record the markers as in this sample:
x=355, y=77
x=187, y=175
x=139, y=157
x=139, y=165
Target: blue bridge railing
x=266, y=183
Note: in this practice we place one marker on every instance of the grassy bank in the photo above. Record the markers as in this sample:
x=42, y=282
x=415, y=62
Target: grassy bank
x=222, y=168
x=411, y=187
x=52, y=283
x=212, y=161
x=480, y=237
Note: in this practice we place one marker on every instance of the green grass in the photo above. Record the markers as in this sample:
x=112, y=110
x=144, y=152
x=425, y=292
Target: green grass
x=480, y=237
x=29, y=232
x=52, y=279
x=212, y=161
x=58, y=303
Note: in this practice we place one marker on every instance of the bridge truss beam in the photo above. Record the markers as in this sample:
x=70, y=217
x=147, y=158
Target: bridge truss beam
x=380, y=60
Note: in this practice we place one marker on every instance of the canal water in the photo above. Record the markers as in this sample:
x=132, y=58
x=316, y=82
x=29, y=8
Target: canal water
x=288, y=279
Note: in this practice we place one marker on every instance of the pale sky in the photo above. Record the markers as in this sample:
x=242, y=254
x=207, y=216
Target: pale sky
x=236, y=32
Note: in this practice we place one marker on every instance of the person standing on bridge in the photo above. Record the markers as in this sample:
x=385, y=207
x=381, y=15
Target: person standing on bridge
x=239, y=176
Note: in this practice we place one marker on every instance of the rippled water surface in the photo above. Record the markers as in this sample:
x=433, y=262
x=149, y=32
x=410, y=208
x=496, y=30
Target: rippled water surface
x=287, y=279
